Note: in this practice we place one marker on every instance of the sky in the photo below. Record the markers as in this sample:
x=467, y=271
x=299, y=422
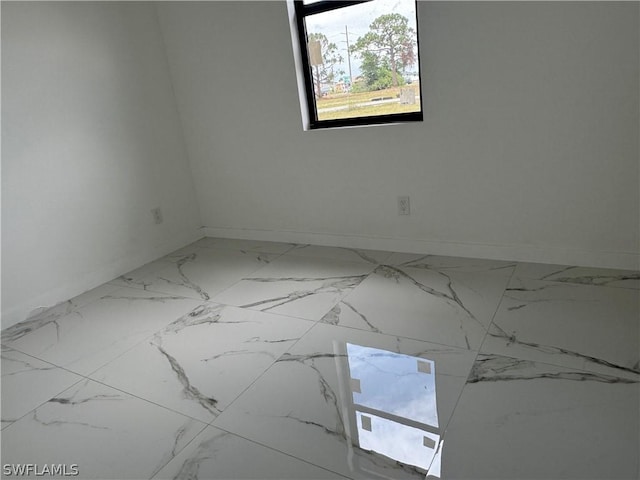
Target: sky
x=392, y=383
x=357, y=19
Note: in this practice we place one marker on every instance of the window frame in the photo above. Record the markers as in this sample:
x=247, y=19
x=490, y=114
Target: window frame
x=301, y=12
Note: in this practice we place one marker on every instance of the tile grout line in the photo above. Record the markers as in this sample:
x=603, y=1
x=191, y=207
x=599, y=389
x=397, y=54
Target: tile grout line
x=228, y=287
x=453, y=411
x=278, y=451
x=310, y=329
x=44, y=402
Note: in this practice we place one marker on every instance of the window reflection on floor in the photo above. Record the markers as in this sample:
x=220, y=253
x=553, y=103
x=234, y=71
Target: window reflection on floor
x=392, y=406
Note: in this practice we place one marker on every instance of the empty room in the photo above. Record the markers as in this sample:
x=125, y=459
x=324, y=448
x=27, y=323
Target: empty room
x=320, y=239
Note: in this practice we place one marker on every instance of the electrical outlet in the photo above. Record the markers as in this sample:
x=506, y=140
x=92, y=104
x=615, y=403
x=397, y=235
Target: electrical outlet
x=403, y=206
x=157, y=215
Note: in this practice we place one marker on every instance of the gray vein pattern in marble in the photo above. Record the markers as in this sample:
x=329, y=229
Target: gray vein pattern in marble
x=582, y=424
x=557, y=376
x=198, y=364
x=598, y=280
x=218, y=454
x=373, y=257
x=511, y=339
x=184, y=280
x=325, y=389
x=580, y=275
x=333, y=316
x=48, y=316
x=206, y=272
x=449, y=296
x=19, y=366
x=209, y=403
x=28, y=382
x=87, y=338
x=69, y=426
x=587, y=327
x=497, y=368
x=452, y=308
x=444, y=263
x=328, y=285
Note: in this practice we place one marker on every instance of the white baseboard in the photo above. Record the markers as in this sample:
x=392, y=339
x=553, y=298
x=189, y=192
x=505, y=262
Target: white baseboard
x=94, y=279
x=520, y=253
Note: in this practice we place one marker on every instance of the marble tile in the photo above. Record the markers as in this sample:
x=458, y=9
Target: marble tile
x=447, y=263
x=322, y=362
x=28, y=382
x=453, y=308
x=106, y=433
x=90, y=336
x=254, y=246
x=135, y=277
x=201, y=362
x=5, y=424
x=374, y=257
x=215, y=453
x=303, y=287
x=205, y=272
x=187, y=250
x=579, y=275
x=51, y=314
x=242, y=246
x=340, y=395
x=578, y=326
x=521, y=419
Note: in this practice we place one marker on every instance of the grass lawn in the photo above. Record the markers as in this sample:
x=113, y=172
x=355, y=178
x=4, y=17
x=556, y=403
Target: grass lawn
x=340, y=99
x=383, y=109
x=350, y=100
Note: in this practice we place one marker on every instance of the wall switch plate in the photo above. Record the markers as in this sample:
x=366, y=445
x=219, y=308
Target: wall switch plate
x=157, y=215
x=403, y=206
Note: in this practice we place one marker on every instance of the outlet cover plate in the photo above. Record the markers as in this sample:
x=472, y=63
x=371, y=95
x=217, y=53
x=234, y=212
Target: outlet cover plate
x=403, y=206
x=157, y=215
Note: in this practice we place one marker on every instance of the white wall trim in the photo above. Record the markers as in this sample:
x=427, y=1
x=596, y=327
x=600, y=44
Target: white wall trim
x=520, y=253
x=297, y=58
x=94, y=279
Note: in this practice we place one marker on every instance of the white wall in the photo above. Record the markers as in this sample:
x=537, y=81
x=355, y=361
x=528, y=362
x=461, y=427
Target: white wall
x=529, y=147
x=91, y=142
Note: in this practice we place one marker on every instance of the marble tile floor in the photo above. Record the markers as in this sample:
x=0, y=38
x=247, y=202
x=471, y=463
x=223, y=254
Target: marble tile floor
x=233, y=359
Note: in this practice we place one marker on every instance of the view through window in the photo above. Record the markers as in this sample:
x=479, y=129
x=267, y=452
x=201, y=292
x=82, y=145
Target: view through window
x=361, y=61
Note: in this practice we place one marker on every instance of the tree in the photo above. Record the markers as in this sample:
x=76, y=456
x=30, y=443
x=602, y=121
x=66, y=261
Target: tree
x=370, y=68
x=326, y=71
x=389, y=41
x=377, y=73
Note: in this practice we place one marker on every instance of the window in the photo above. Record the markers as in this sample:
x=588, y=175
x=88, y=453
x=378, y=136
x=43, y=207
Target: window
x=359, y=61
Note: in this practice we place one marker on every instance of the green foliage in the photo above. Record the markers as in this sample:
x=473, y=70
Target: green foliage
x=385, y=79
x=377, y=73
x=370, y=68
x=359, y=88
x=386, y=50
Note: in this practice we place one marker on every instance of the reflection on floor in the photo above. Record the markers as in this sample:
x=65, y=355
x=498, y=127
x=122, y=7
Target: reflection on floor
x=246, y=359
